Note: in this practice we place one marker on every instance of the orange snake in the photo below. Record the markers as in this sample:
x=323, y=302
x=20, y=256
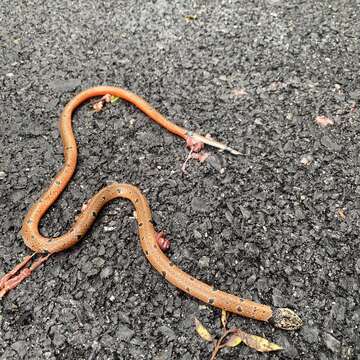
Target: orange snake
x=279, y=317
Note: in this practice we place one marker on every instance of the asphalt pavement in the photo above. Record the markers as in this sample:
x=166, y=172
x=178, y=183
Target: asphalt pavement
x=277, y=80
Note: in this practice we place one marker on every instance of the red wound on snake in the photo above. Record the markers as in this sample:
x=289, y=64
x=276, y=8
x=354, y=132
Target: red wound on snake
x=196, y=152
x=163, y=243
x=193, y=145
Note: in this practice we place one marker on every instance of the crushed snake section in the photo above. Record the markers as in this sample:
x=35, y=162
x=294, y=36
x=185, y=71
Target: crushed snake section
x=282, y=318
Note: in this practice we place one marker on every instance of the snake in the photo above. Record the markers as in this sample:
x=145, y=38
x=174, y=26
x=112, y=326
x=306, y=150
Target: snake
x=283, y=318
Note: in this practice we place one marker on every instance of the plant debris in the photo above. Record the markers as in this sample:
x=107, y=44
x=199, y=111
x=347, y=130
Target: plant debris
x=233, y=337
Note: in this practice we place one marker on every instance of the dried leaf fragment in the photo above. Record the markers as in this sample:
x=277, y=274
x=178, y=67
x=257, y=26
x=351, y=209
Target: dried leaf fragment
x=239, y=92
x=189, y=18
x=202, y=331
x=306, y=160
x=323, y=121
x=233, y=340
x=258, y=343
x=341, y=214
x=224, y=316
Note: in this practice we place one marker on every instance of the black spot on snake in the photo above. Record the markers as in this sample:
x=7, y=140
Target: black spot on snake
x=78, y=236
x=94, y=214
x=141, y=224
x=171, y=264
x=163, y=273
x=211, y=301
x=239, y=309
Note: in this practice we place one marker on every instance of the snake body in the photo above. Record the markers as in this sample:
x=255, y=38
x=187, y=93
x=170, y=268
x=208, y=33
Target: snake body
x=283, y=318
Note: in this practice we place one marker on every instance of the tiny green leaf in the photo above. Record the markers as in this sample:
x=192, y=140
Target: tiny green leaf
x=114, y=99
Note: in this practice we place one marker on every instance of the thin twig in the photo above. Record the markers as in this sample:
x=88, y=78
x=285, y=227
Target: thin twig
x=219, y=343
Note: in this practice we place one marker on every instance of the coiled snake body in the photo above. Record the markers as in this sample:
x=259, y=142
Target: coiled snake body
x=283, y=318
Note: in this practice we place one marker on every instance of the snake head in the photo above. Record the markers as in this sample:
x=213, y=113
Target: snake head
x=286, y=319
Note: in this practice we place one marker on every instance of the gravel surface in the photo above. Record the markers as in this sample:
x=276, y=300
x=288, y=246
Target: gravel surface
x=278, y=224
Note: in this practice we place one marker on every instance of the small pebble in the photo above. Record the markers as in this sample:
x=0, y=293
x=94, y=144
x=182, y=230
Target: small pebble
x=199, y=204
x=108, y=228
x=332, y=343
x=106, y=272
x=306, y=160
x=357, y=266
x=58, y=340
x=245, y=212
x=167, y=332
x=21, y=347
x=311, y=334
x=166, y=354
x=329, y=144
x=98, y=262
x=215, y=162
x=278, y=298
x=204, y=262
x=124, y=333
